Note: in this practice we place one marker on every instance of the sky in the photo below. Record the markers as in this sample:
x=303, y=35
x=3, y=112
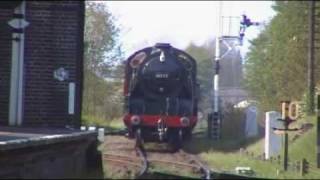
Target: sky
x=143, y=23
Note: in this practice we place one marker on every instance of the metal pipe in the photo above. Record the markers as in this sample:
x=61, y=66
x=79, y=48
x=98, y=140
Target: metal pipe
x=16, y=86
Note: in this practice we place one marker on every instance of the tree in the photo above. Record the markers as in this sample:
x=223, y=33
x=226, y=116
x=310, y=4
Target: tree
x=102, y=50
x=276, y=65
x=204, y=55
x=102, y=61
x=232, y=118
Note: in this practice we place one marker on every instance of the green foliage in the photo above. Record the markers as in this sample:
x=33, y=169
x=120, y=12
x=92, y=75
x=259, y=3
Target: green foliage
x=233, y=119
x=219, y=158
x=102, y=98
x=276, y=66
x=102, y=95
x=102, y=48
x=204, y=56
x=93, y=121
x=233, y=123
x=305, y=146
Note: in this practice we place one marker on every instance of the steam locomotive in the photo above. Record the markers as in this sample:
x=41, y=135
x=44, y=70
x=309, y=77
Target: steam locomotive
x=160, y=90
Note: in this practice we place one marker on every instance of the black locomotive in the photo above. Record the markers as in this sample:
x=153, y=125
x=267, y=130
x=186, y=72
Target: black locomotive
x=160, y=90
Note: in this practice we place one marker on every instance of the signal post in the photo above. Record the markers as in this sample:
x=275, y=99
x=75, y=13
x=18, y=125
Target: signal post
x=289, y=114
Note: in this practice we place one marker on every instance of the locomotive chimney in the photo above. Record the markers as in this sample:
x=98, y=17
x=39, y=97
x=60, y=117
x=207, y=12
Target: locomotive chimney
x=163, y=45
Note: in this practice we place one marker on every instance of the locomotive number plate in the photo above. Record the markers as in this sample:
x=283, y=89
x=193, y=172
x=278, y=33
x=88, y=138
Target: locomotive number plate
x=162, y=75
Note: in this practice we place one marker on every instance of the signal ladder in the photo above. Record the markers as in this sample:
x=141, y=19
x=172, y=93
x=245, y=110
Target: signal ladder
x=214, y=124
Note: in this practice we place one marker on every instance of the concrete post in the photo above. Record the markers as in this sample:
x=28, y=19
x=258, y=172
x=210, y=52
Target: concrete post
x=272, y=141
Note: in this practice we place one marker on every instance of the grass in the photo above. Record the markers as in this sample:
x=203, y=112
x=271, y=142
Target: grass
x=171, y=170
x=227, y=162
x=117, y=124
x=224, y=155
x=305, y=146
x=90, y=120
x=109, y=125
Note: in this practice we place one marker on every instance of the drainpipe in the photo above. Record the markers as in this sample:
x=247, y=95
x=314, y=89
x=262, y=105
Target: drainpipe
x=17, y=65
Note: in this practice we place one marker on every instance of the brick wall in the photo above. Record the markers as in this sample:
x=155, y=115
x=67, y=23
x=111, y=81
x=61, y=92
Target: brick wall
x=5, y=63
x=53, y=40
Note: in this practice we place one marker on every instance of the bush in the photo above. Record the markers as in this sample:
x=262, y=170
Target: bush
x=90, y=120
x=233, y=122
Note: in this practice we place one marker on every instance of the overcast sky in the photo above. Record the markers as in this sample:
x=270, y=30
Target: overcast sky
x=144, y=23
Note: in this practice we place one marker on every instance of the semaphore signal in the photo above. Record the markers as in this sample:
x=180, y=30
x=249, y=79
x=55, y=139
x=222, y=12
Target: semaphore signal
x=244, y=24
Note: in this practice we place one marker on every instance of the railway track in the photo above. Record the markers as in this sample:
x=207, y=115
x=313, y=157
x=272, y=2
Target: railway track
x=195, y=165
x=194, y=168
x=122, y=159
x=128, y=162
x=141, y=152
x=140, y=161
x=205, y=170
x=143, y=163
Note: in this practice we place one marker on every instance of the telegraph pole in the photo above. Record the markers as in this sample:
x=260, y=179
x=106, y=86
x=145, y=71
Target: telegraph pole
x=311, y=85
x=311, y=57
x=318, y=132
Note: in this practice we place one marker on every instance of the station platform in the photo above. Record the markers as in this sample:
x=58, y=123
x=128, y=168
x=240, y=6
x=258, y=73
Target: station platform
x=34, y=152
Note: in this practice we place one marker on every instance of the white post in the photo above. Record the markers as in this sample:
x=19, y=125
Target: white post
x=272, y=141
x=71, y=99
x=101, y=134
x=17, y=64
x=251, y=129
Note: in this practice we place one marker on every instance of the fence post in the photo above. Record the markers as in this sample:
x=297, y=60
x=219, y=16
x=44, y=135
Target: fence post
x=297, y=166
x=303, y=167
x=241, y=151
